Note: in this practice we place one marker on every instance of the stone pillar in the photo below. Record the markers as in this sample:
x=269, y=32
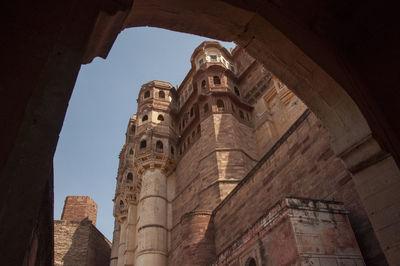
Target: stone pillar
x=115, y=244
x=152, y=226
x=122, y=243
x=131, y=235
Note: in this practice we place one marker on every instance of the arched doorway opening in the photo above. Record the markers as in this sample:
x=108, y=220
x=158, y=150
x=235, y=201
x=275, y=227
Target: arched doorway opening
x=352, y=138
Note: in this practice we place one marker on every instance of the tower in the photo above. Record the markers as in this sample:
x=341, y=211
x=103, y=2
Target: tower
x=146, y=161
x=78, y=208
x=200, y=159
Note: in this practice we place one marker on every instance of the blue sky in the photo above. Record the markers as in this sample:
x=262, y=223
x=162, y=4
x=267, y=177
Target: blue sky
x=86, y=159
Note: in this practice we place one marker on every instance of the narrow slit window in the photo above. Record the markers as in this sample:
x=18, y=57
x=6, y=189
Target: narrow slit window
x=143, y=144
x=220, y=105
x=203, y=85
x=159, y=146
x=217, y=80
x=237, y=92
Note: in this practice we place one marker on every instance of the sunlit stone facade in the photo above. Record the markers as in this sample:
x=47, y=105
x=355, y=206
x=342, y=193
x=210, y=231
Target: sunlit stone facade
x=231, y=128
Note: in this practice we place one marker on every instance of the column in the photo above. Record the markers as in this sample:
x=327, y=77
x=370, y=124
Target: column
x=152, y=225
x=122, y=243
x=115, y=244
x=131, y=235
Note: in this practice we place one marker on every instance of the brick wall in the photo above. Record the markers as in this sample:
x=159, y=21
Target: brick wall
x=79, y=243
x=71, y=240
x=78, y=208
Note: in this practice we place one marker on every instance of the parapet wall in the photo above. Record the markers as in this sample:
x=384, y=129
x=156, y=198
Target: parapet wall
x=297, y=231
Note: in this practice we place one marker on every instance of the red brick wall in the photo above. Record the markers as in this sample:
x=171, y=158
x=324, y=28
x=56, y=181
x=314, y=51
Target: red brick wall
x=78, y=208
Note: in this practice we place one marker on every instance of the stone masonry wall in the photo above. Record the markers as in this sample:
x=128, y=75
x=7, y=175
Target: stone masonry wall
x=297, y=231
x=209, y=170
x=99, y=249
x=78, y=208
x=79, y=243
x=71, y=240
x=303, y=166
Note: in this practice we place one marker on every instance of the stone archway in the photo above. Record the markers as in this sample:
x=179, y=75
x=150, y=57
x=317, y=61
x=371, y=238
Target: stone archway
x=365, y=152
x=315, y=67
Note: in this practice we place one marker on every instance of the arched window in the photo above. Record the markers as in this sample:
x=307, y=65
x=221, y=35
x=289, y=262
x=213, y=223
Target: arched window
x=220, y=105
x=159, y=146
x=237, y=92
x=132, y=129
x=172, y=150
x=129, y=177
x=143, y=144
x=241, y=114
x=161, y=94
x=145, y=118
x=188, y=140
x=206, y=108
x=121, y=204
x=191, y=112
x=217, y=80
x=203, y=85
x=160, y=117
x=146, y=94
x=251, y=262
x=130, y=152
x=233, y=108
x=247, y=115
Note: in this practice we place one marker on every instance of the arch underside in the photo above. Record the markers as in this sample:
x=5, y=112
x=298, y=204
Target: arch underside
x=339, y=57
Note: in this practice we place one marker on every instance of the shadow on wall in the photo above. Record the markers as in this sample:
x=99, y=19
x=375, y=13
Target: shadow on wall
x=78, y=251
x=88, y=248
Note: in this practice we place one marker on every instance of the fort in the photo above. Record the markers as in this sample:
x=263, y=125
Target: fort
x=339, y=57
x=231, y=168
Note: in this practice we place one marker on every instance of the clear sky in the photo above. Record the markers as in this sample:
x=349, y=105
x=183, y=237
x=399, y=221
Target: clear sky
x=86, y=159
